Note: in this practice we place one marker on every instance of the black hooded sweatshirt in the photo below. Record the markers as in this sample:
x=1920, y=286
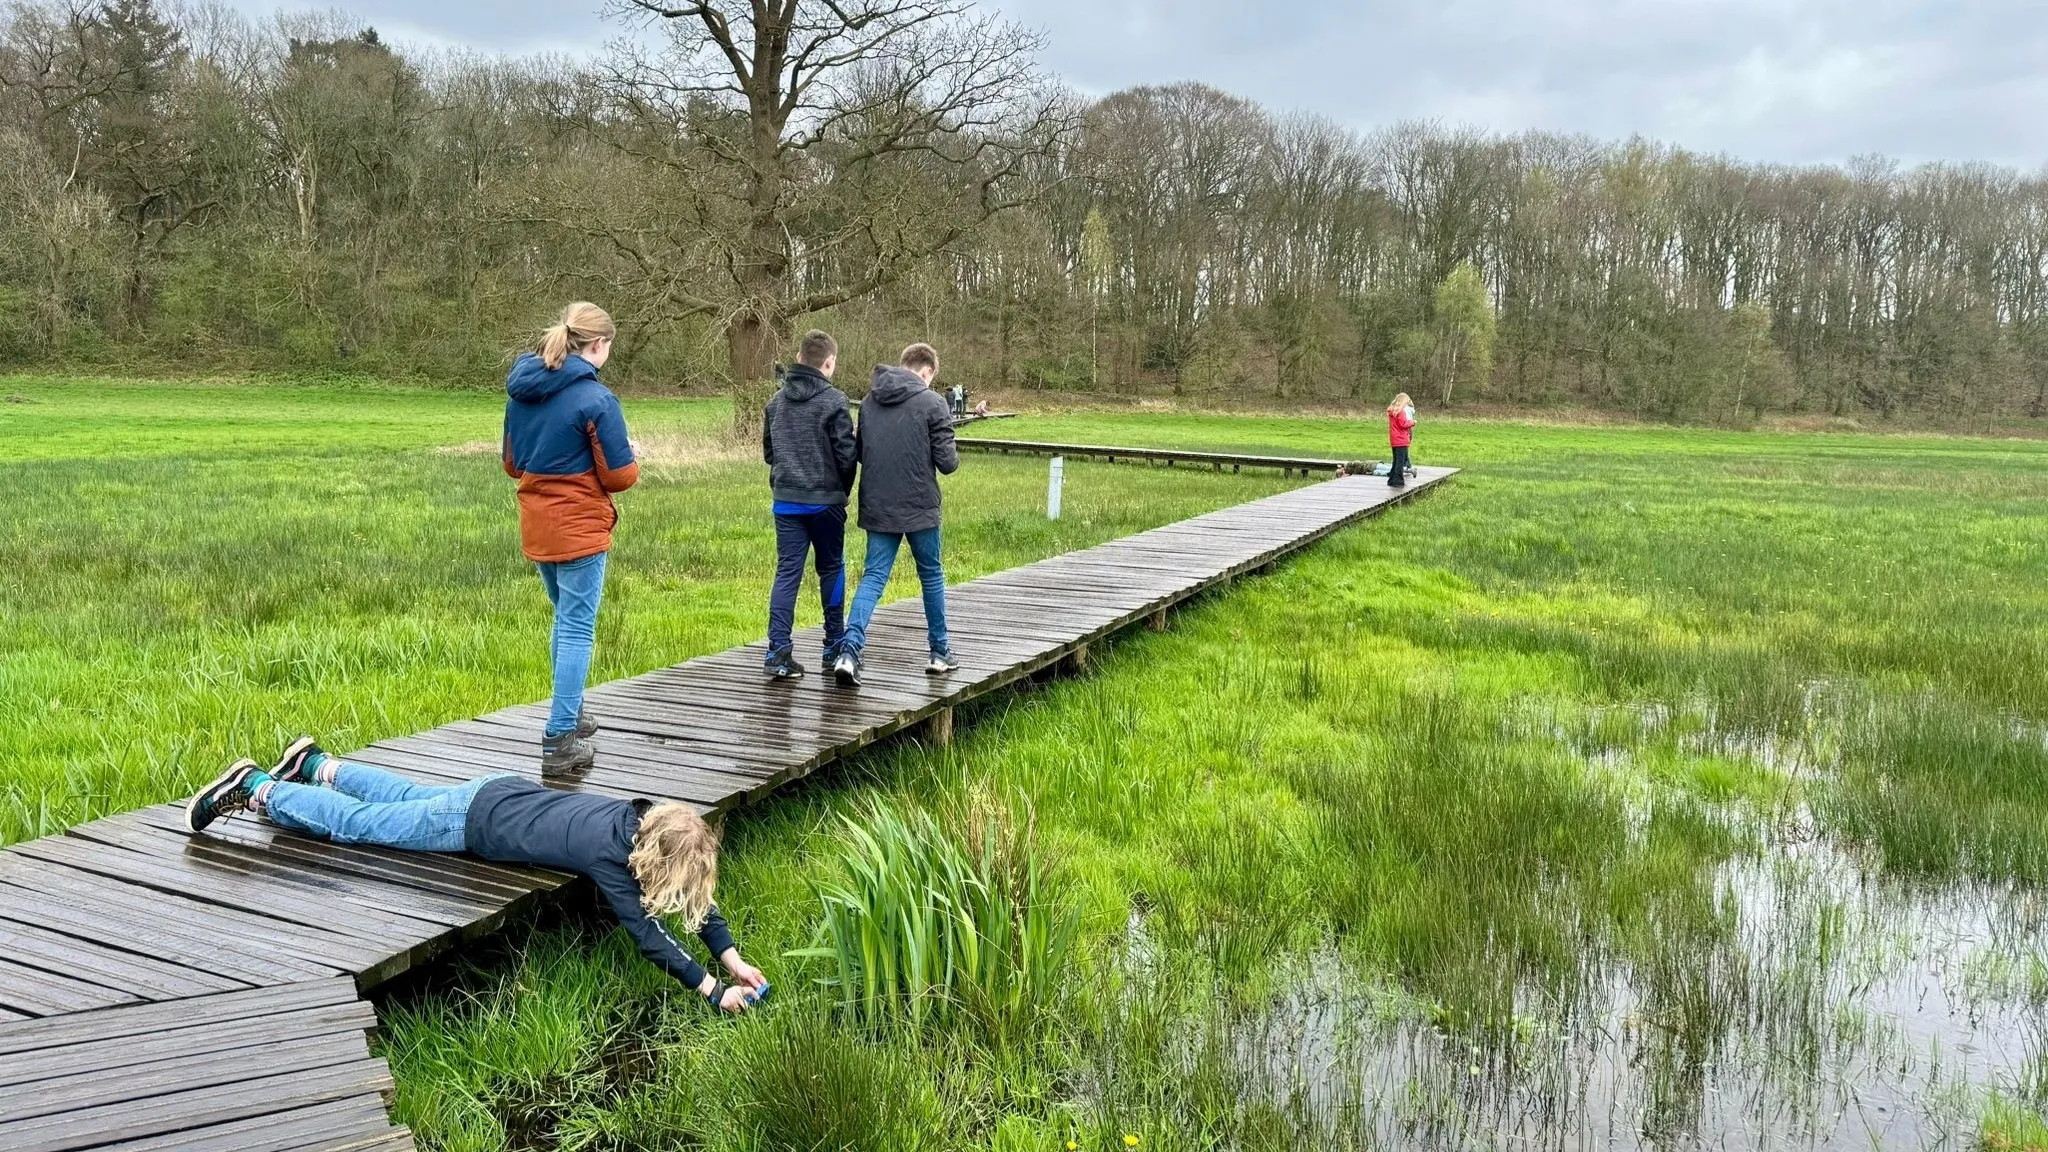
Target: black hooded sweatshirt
x=807, y=440
x=906, y=444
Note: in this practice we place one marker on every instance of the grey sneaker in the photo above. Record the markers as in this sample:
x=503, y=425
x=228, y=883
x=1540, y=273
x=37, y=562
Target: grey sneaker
x=941, y=663
x=565, y=755
x=586, y=725
x=846, y=669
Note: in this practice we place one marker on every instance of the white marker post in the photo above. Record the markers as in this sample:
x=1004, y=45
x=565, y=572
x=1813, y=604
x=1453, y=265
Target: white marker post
x=1052, y=488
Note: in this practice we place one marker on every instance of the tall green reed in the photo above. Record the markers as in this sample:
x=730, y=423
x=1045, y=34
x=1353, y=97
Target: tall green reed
x=926, y=922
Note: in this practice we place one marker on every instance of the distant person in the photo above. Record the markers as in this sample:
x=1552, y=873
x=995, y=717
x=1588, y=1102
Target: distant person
x=906, y=444
x=647, y=860
x=565, y=442
x=807, y=440
x=1400, y=432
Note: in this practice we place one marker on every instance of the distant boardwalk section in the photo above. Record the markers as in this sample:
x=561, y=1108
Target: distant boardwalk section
x=132, y=954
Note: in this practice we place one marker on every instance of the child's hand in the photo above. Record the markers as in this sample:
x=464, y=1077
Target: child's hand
x=746, y=973
x=734, y=1001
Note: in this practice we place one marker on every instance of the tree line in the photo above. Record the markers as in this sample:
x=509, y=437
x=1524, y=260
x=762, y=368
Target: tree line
x=186, y=188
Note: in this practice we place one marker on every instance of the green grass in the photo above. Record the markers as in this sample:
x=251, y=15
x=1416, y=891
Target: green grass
x=1707, y=764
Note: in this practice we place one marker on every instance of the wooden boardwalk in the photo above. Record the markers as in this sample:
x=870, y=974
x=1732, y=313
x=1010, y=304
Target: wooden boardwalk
x=144, y=973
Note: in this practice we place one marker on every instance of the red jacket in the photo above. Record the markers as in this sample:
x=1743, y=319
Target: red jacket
x=1400, y=427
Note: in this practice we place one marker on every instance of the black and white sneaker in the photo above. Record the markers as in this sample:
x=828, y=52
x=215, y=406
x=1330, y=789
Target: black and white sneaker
x=941, y=663
x=783, y=666
x=299, y=762
x=231, y=792
x=846, y=669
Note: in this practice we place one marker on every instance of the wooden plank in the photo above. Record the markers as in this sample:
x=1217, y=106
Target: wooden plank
x=205, y=1033
x=354, y=1124
x=144, y=1019
x=92, y=1088
x=35, y=992
x=194, y=1108
x=147, y=978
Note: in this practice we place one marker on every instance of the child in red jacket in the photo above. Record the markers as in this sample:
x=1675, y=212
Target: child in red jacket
x=565, y=442
x=1400, y=431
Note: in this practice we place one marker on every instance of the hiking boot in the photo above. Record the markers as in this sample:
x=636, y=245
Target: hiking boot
x=586, y=725
x=783, y=666
x=846, y=669
x=565, y=756
x=231, y=792
x=941, y=663
x=299, y=762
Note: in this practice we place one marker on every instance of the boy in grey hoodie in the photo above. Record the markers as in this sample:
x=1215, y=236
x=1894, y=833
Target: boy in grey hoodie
x=906, y=443
x=807, y=440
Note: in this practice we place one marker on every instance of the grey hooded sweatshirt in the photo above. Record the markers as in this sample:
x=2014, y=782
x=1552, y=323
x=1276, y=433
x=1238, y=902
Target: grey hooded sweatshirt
x=906, y=444
x=807, y=439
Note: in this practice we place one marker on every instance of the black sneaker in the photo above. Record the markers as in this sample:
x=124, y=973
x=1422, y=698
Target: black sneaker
x=941, y=663
x=586, y=725
x=297, y=765
x=783, y=666
x=231, y=792
x=565, y=756
x=846, y=669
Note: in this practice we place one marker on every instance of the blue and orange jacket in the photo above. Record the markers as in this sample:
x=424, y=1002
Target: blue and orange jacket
x=565, y=442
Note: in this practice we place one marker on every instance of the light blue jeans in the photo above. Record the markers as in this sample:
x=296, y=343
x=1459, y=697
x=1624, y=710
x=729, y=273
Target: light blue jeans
x=372, y=806
x=574, y=588
x=874, y=577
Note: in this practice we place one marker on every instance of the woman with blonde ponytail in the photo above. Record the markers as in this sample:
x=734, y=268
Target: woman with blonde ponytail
x=566, y=444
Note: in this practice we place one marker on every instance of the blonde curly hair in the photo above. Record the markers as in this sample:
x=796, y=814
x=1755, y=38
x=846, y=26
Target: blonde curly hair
x=675, y=859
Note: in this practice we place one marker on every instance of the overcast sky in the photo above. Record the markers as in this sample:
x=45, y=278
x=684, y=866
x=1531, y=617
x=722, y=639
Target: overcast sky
x=1784, y=80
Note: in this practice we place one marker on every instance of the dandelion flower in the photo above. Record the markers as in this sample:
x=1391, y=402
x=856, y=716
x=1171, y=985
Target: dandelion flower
x=1130, y=1141
x=1072, y=1147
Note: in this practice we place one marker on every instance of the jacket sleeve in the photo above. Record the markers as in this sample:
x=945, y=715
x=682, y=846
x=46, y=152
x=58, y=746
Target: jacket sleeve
x=945, y=455
x=505, y=456
x=767, y=436
x=716, y=933
x=845, y=447
x=656, y=943
x=616, y=468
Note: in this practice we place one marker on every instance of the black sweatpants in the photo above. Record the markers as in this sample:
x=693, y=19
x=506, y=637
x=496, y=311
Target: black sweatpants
x=1397, y=476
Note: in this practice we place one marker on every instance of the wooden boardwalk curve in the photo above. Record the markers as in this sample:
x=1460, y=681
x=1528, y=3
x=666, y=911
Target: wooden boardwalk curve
x=144, y=972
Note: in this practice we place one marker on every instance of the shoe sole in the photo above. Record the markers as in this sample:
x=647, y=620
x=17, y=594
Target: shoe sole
x=196, y=818
x=846, y=678
x=798, y=674
x=296, y=748
x=937, y=670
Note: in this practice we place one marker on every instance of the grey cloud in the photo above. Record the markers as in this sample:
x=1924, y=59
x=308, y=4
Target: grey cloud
x=1777, y=80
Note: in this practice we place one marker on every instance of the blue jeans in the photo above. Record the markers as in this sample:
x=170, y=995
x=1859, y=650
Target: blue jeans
x=882, y=548
x=371, y=806
x=796, y=538
x=574, y=587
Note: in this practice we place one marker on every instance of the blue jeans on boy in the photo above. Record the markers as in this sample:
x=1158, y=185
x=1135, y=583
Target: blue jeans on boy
x=371, y=806
x=574, y=588
x=882, y=548
x=797, y=536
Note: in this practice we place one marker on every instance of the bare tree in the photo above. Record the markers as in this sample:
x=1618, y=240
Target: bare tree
x=844, y=142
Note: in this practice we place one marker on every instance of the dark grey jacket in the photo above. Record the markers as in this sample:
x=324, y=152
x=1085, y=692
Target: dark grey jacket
x=906, y=444
x=807, y=439
x=516, y=821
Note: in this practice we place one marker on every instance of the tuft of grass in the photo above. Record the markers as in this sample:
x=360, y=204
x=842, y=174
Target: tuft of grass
x=923, y=922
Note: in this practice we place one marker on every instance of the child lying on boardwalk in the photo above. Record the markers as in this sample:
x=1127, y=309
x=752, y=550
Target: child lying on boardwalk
x=649, y=860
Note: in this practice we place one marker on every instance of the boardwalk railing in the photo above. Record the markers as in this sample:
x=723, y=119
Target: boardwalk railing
x=145, y=972
x=1217, y=461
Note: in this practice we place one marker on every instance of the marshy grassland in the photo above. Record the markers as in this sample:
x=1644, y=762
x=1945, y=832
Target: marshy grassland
x=1641, y=788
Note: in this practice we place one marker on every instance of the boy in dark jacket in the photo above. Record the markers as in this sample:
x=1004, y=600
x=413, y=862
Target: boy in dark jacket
x=807, y=440
x=906, y=443
x=565, y=442
x=647, y=860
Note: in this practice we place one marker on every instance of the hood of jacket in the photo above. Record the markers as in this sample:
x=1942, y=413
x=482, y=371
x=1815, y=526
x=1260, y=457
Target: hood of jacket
x=532, y=381
x=801, y=382
x=894, y=385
